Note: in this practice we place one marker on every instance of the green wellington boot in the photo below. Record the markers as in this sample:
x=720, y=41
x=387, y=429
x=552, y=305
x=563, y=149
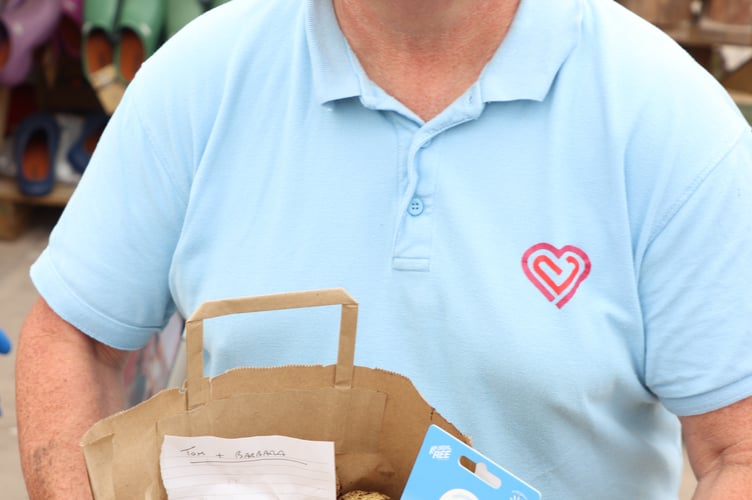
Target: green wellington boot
x=97, y=35
x=140, y=28
x=181, y=12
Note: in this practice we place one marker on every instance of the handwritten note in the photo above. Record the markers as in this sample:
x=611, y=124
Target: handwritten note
x=262, y=467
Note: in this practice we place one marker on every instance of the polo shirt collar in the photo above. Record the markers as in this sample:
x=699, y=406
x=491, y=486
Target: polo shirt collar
x=541, y=37
x=334, y=77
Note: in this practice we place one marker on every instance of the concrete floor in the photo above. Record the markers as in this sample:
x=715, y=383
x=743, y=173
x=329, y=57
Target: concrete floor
x=16, y=296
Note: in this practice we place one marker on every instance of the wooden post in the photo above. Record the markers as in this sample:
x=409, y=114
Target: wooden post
x=15, y=208
x=664, y=13
x=734, y=12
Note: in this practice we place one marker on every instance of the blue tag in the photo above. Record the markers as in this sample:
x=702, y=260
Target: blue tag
x=448, y=469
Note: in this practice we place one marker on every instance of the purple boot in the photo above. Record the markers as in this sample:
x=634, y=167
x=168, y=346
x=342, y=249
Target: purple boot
x=24, y=25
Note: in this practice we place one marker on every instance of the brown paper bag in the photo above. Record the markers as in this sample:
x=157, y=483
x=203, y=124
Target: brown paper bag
x=376, y=418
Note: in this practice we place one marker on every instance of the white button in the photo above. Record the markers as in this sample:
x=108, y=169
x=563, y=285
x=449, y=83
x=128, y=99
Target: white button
x=415, y=207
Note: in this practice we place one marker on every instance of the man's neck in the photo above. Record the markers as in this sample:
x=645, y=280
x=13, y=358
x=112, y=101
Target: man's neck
x=425, y=53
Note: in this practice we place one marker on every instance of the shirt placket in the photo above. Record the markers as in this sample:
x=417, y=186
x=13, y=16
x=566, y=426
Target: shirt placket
x=416, y=212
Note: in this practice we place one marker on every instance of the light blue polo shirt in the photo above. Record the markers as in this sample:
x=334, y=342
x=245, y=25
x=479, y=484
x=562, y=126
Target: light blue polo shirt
x=558, y=261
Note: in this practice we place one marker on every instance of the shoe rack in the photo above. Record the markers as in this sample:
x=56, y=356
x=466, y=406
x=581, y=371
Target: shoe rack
x=40, y=77
x=64, y=65
x=53, y=85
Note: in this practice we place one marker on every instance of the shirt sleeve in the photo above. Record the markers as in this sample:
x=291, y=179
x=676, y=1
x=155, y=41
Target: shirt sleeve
x=695, y=288
x=106, y=268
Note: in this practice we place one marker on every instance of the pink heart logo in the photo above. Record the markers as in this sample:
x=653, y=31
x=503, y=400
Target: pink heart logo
x=556, y=272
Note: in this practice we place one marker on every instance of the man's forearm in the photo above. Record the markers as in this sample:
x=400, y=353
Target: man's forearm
x=64, y=383
x=730, y=482
x=719, y=446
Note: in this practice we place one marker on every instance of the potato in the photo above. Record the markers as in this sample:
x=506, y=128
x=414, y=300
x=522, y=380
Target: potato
x=363, y=495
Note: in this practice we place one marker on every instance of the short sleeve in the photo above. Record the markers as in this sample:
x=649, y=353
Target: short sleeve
x=107, y=264
x=695, y=287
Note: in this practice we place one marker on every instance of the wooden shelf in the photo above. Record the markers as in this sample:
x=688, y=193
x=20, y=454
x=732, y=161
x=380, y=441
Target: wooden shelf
x=57, y=198
x=710, y=34
x=15, y=208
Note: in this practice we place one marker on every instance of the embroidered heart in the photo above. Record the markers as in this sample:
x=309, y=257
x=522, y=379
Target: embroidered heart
x=556, y=272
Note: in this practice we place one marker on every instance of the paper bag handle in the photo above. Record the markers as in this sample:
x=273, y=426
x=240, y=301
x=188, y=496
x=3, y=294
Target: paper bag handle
x=197, y=387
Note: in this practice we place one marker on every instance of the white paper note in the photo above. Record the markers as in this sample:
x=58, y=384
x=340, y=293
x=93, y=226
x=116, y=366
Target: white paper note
x=261, y=467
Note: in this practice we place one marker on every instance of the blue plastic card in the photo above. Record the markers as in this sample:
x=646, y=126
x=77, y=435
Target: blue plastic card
x=448, y=469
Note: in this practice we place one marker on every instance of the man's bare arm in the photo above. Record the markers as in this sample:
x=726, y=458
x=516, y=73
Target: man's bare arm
x=65, y=381
x=719, y=446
